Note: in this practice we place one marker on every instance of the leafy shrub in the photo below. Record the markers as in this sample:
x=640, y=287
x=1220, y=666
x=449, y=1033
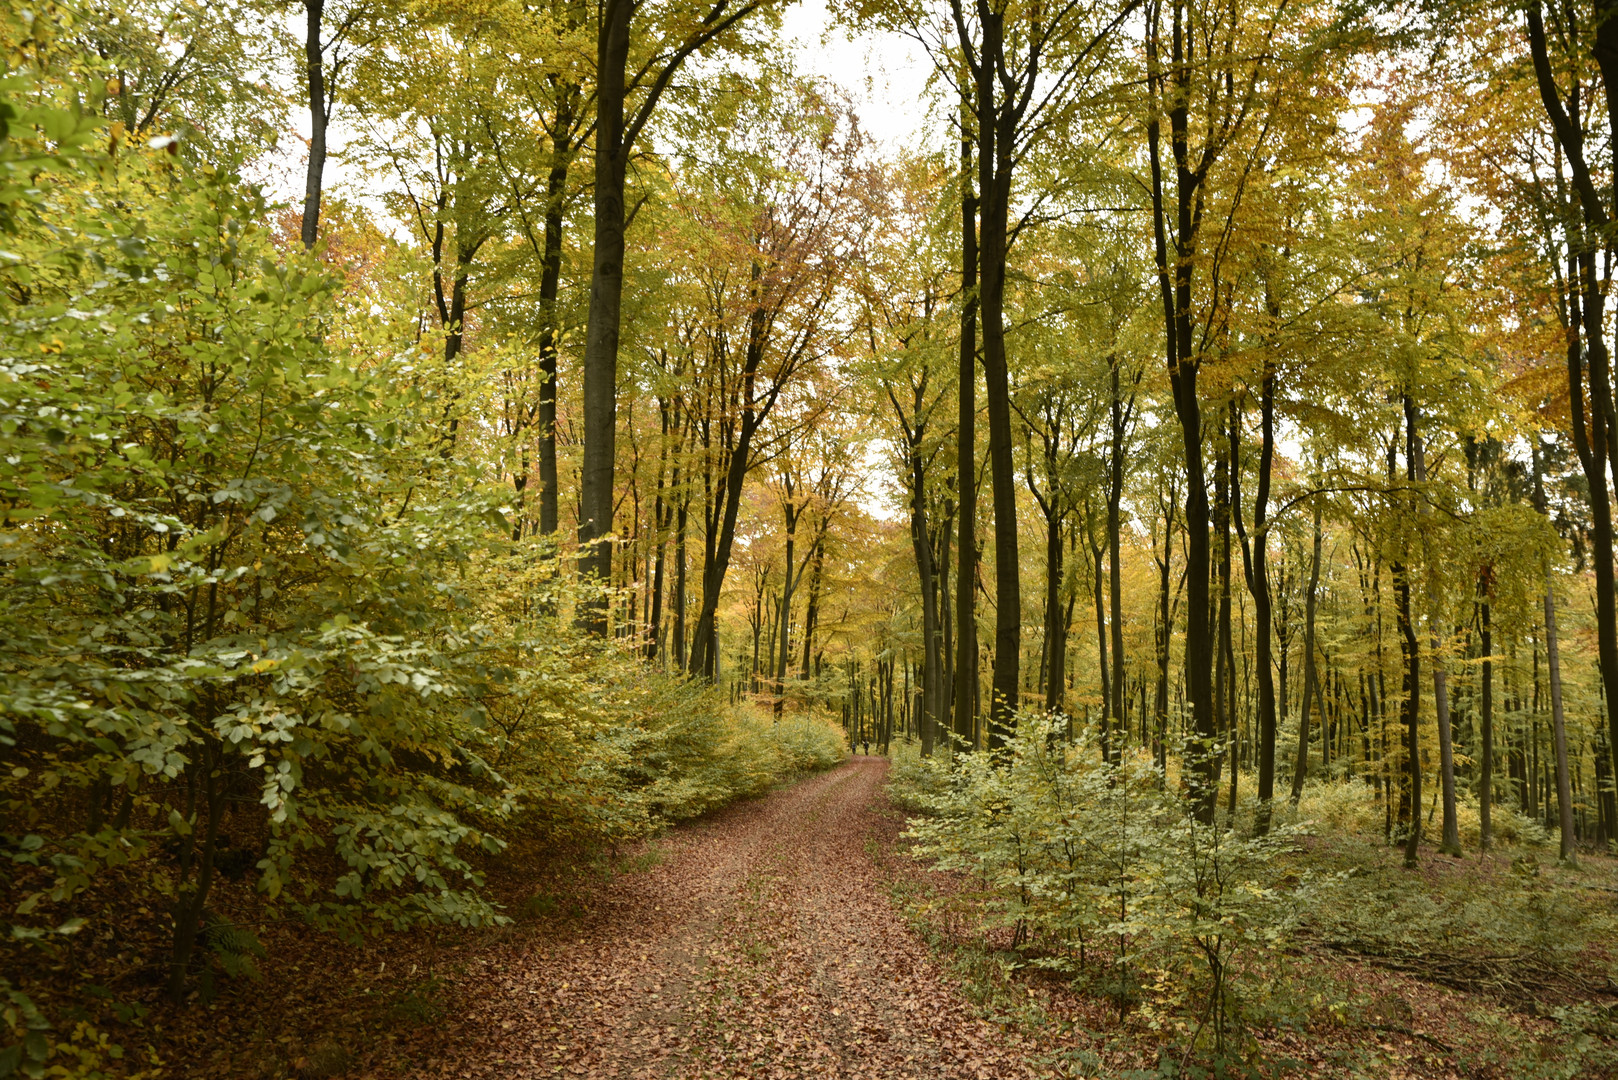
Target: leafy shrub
x=1104, y=872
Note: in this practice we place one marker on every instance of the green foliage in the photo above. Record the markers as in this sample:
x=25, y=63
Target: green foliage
x=1103, y=872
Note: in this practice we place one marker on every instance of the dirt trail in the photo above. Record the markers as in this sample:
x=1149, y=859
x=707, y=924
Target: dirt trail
x=763, y=945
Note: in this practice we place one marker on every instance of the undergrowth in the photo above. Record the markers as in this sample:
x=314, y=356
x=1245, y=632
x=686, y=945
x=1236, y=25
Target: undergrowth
x=1207, y=943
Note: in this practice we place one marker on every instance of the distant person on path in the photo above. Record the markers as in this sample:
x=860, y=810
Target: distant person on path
x=867, y=745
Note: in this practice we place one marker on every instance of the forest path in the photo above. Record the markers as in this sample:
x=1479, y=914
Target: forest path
x=763, y=945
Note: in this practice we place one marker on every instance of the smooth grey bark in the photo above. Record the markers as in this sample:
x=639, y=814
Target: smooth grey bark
x=616, y=134
x=600, y=375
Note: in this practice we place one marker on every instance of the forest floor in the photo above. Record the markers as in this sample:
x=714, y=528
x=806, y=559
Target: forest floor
x=781, y=937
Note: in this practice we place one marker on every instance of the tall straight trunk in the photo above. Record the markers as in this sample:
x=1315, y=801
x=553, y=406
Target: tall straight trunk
x=1564, y=792
x=615, y=137
x=1225, y=666
x=1165, y=628
x=1255, y=564
x=1451, y=842
x=1108, y=689
x=793, y=512
x=995, y=126
x=704, y=652
x=921, y=542
x=1486, y=722
x=662, y=516
x=1595, y=433
x=550, y=284
x=1310, y=680
x=1171, y=92
x=1055, y=624
x=966, y=645
x=678, y=602
x=315, y=75
x=811, y=614
x=1553, y=665
x=1121, y=413
x=1410, y=651
x=606, y=294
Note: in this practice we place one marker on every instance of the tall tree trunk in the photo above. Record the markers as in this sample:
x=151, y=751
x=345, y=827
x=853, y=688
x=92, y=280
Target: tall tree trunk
x=1310, y=680
x=1486, y=732
x=811, y=615
x=1411, y=707
x=1165, y=626
x=1553, y=664
x=966, y=645
x=1055, y=626
x=995, y=127
x=1108, y=689
x=793, y=512
x=1564, y=793
x=704, y=654
x=550, y=283
x=314, y=173
x=1115, y=492
x=1595, y=436
x=1172, y=90
x=678, y=601
x=601, y=335
x=1451, y=843
x=1255, y=565
x=1225, y=662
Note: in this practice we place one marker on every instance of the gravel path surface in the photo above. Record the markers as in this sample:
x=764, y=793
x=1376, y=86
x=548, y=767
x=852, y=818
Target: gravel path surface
x=763, y=945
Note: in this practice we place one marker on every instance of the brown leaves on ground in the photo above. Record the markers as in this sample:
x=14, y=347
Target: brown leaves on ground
x=764, y=945
x=759, y=942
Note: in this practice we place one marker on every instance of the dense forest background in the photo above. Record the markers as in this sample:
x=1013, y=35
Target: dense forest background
x=1202, y=455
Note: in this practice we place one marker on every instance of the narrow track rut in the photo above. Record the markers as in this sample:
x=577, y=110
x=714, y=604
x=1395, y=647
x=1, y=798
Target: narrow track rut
x=763, y=945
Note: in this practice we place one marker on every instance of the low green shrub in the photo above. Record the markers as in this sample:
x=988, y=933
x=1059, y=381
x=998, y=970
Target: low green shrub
x=1102, y=872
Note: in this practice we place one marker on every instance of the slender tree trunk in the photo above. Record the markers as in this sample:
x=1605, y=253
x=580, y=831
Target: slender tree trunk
x=678, y=602
x=550, y=283
x=1310, y=679
x=966, y=457
x=1451, y=843
x=1411, y=707
x=1486, y=732
x=1108, y=689
x=811, y=615
x=704, y=657
x=1055, y=630
x=1255, y=563
x=314, y=66
x=1115, y=493
x=793, y=512
x=1564, y=793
